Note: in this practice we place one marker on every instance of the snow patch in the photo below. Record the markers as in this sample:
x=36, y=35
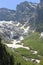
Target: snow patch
x=15, y=45
x=18, y=24
x=35, y=60
x=26, y=29
x=41, y=34
x=34, y=52
x=21, y=38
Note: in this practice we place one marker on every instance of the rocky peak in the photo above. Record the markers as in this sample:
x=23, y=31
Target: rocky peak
x=41, y=3
x=25, y=11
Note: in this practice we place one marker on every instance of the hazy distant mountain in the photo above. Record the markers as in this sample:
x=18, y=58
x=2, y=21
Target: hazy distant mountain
x=6, y=14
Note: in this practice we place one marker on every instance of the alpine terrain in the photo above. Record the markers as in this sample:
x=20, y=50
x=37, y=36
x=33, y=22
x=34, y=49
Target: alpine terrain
x=21, y=34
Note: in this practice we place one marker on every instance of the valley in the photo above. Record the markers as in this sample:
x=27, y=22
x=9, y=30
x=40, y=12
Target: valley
x=21, y=34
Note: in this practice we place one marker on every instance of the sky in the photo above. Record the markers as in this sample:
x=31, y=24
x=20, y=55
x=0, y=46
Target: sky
x=11, y=4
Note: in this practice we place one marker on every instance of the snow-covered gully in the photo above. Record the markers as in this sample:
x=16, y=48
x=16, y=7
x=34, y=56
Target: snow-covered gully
x=15, y=45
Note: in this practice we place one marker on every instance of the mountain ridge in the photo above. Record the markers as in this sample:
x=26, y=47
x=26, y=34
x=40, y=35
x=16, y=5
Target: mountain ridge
x=26, y=12
x=7, y=14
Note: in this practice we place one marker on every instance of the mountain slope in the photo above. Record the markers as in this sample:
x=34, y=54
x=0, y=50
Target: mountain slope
x=7, y=14
x=24, y=12
x=5, y=57
x=27, y=13
x=39, y=22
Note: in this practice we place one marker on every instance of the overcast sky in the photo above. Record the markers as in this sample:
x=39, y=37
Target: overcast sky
x=11, y=4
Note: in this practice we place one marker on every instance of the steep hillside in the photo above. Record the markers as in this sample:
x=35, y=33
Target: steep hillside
x=25, y=12
x=39, y=22
x=5, y=57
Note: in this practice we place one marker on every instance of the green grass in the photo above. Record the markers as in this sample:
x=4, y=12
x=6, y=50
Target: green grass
x=35, y=43
x=26, y=53
x=7, y=41
x=18, y=57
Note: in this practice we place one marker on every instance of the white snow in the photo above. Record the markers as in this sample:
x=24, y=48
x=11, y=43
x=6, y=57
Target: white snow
x=21, y=38
x=34, y=52
x=26, y=29
x=7, y=22
x=27, y=48
x=15, y=45
x=22, y=27
x=41, y=34
x=18, y=24
x=32, y=5
x=35, y=60
x=11, y=34
x=19, y=41
x=38, y=61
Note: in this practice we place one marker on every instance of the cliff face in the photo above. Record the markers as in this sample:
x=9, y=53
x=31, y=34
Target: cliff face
x=7, y=14
x=41, y=1
x=39, y=22
x=5, y=57
x=26, y=12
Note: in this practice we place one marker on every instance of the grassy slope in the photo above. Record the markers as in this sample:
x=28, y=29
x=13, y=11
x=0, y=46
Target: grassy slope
x=34, y=42
x=18, y=57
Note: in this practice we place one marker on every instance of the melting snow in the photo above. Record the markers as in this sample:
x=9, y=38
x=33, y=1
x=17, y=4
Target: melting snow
x=34, y=52
x=26, y=29
x=41, y=34
x=35, y=60
x=21, y=38
x=18, y=24
x=14, y=45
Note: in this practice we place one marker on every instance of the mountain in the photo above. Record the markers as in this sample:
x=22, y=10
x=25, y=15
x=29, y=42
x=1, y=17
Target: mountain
x=20, y=45
x=16, y=23
x=12, y=30
x=27, y=13
x=7, y=14
x=39, y=23
x=24, y=12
